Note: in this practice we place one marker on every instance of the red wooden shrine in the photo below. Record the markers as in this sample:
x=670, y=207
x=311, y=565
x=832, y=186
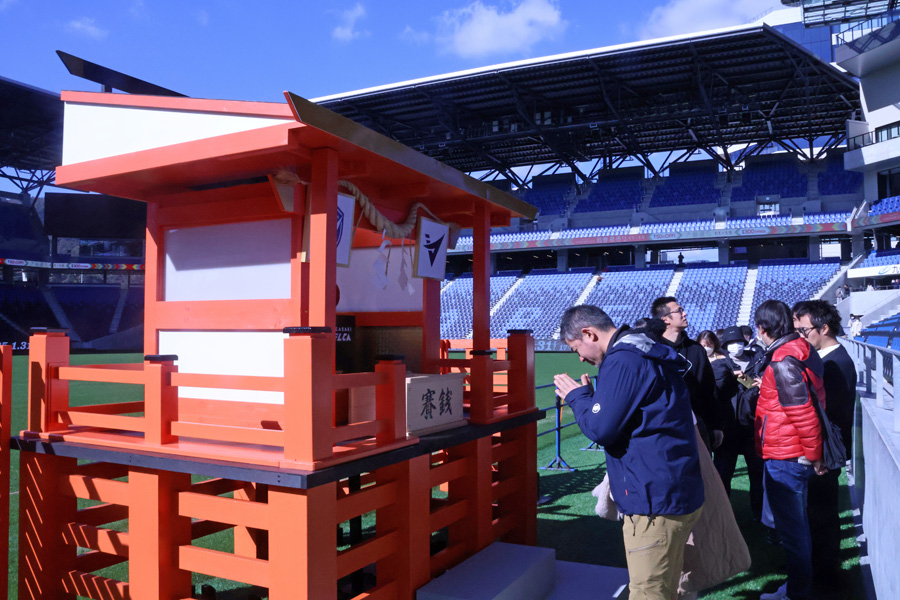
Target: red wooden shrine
x=201, y=452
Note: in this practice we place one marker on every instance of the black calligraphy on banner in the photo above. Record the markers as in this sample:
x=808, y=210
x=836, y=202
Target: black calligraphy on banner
x=444, y=401
x=428, y=406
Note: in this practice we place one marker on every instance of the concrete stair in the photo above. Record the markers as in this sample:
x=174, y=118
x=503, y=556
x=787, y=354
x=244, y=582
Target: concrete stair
x=59, y=313
x=513, y=572
x=676, y=281
x=120, y=308
x=747, y=297
x=649, y=188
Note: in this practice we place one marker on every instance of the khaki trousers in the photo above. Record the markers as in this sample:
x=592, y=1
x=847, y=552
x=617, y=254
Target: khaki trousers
x=654, y=550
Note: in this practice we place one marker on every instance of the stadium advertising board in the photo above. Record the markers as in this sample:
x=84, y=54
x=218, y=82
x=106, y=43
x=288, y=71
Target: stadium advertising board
x=877, y=219
x=878, y=271
x=665, y=236
x=40, y=264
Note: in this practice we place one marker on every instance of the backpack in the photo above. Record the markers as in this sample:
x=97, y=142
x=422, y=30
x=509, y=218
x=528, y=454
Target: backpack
x=746, y=399
x=834, y=453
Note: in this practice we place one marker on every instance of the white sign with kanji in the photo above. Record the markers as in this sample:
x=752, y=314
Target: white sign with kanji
x=434, y=402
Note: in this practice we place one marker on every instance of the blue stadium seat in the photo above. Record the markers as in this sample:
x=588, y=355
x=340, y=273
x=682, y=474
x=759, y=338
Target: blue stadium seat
x=551, y=198
x=881, y=258
x=456, y=303
x=682, y=189
x=711, y=295
x=887, y=205
x=539, y=302
x=626, y=295
x=835, y=217
x=613, y=192
x=791, y=280
x=834, y=180
x=778, y=177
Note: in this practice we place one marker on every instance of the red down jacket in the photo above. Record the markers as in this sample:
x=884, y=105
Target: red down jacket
x=786, y=422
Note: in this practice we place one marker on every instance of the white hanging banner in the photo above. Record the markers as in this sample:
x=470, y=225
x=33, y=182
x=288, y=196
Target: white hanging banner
x=345, y=207
x=431, y=249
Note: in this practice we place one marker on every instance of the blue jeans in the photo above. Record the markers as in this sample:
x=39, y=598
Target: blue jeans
x=786, y=483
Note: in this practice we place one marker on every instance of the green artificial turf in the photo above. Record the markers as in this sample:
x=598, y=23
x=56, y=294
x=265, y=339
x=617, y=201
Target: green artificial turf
x=566, y=521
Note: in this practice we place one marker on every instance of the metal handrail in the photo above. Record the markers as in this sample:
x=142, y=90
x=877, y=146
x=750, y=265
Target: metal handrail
x=877, y=366
x=881, y=134
x=865, y=27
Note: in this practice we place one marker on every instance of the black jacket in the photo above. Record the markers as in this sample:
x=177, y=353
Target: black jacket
x=840, y=392
x=726, y=390
x=700, y=380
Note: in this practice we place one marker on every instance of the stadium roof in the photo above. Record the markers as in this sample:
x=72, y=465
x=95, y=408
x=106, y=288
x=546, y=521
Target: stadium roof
x=833, y=12
x=739, y=86
x=30, y=134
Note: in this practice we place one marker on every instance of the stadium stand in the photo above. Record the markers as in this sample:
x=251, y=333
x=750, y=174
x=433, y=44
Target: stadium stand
x=778, y=221
x=834, y=180
x=568, y=234
x=465, y=242
x=791, y=280
x=880, y=258
x=456, y=308
x=539, y=302
x=550, y=200
x=626, y=294
x=133, y=311
x=887, y=205
x=770, y=178
x=13, y=221
x=677, y=226
x=456, y=303
x=884, y=333
x=619, y=192
x=25, y=307
x=688, y=187
x=835, y=217
x=500, y=284
x=89, y=308
x=711, y=295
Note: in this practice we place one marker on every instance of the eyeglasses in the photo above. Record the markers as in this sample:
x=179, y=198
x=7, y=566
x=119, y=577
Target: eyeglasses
x=677, y=311
x=804, y=331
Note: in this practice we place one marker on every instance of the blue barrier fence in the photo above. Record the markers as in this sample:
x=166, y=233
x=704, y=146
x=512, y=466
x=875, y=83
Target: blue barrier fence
x=558, y=463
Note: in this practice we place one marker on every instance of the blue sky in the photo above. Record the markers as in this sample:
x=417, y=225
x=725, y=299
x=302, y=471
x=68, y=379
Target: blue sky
x=238, y=49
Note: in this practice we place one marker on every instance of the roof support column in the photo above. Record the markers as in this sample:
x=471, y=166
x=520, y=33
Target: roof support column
x=562, y=260
x=815, y=247
x=640, y=256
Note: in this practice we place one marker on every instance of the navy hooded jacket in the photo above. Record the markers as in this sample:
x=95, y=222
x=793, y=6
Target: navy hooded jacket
x=640, y=412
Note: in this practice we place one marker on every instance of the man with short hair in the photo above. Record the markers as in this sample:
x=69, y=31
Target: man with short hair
x=700, y=380
x=739, y=429
x=820, y=323
x=639, y=412
x=753, y=343
x=789, y=439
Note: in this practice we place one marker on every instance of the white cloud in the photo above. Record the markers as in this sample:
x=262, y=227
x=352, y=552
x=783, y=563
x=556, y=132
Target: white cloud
x=87, y=27
x=346, y=31
x=689, y=16
x=202, y=17
x=4, y=4
x=137, y=10
x=415, y=36
x=479, y=30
